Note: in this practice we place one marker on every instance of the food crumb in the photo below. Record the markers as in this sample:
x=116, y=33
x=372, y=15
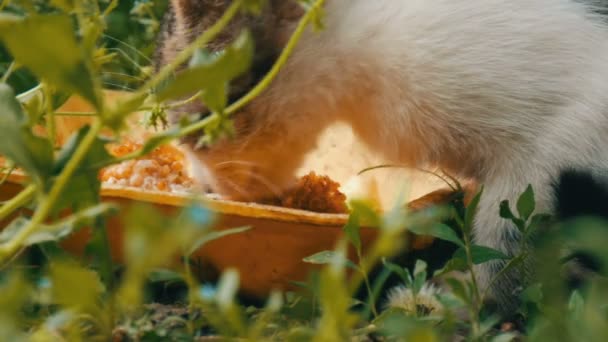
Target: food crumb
x=163, y=169
x=316, y=193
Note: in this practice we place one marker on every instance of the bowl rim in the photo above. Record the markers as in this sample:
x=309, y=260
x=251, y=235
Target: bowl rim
x=221, y=206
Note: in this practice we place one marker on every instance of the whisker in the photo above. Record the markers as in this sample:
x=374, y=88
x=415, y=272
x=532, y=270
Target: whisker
x=262, y=180
x=121, y=74
x=235, y=187
x=126, y=56
x=120, y=86
x=236, y=162
x=128, y=46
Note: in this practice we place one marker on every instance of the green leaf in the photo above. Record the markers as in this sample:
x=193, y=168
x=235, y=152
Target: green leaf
x=438, y=230
x=165, y=276
x=420, y=267
x=115, y=118
x=328, y=257
x=160, y=238
x=576, y=304
x=471, y=210
x=151, y=241
x=74, y=286
x=537, y=222
x=402, y=272
x=419, y=277
x=533, y=294
x=361, y=214
x=487, y=324
x=216, y=97
x=220, y=126
x=57, y=231
x=275, y=302
x=18, y=143
x=34, y=102
x=159, y=139
x=505, y=337
x=254, y=6
x=450, y=301
x=82, y=190
x=214, y=236
x=505, y=210
x=65, y=5
x=301, y=284
x=457, y=263
x=16, y=291
x=481, y=254
x=366, y=215
x=459, y=290
x=352, y=229
x=514, y=262
x=47, y=46
x=526, y=203
x=227, y=288
x=211, y=72
x=34, y=107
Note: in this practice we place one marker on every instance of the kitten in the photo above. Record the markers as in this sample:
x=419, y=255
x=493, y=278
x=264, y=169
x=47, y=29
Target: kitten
x=504, y=92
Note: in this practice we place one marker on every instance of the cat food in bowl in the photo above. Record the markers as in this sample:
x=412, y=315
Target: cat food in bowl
x=307, y=219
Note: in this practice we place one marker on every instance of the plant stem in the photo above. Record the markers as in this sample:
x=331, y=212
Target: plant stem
x=4, y=4
x=371, y=302
x=191, y=290
x=24, y=197
x=200, y=42
x=497, y=276
x=253, y=93
x=28, y=94
x=9, y=71
x=366, y=264
x=49, y=115
x=106, y=265
x=75, y=114
x=174, y=104
x=477, y=300
x=111, y=6
x=49, y=200
x=7, y=170
x=268, y=78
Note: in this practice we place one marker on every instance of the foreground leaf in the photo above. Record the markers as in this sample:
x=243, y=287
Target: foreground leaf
x=361, y=214
x=440, y=231
x=471, y=211
x=212, y=72
x=457, y=263
x=329, y=257
x=58, y=231
x=210, y=236
x=47, y=46
x=82, y=190
x=18, y=143
x=74, y=286
x=526, y=203
x=481, y=254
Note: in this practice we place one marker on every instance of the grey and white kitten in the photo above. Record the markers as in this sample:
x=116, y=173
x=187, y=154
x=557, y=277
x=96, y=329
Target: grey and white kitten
x=504, y=92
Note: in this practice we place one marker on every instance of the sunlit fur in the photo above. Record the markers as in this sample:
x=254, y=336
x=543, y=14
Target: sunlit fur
x=506, y=92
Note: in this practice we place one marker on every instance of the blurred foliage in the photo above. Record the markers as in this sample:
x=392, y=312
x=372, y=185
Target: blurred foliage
x=131, y=33
x=83, y=46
